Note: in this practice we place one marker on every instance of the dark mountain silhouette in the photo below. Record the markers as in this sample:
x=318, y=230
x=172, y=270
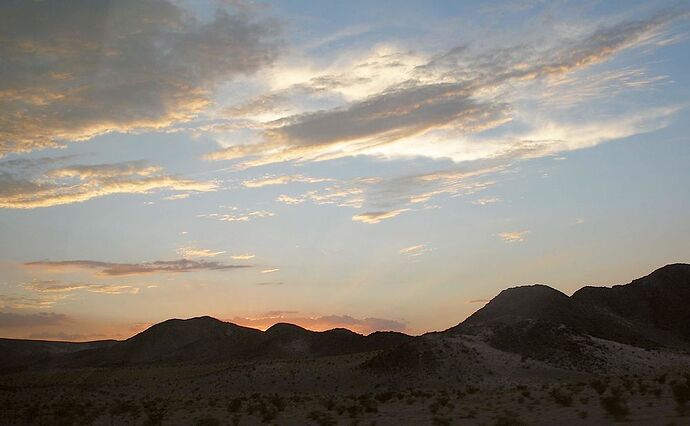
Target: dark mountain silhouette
x=206, y=339
x=660, y=302
x=650, y=311
x=19, y=352
x=534, y=321
x=539, y=322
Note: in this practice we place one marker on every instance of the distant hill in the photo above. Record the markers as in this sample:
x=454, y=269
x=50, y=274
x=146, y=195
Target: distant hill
x=15, y=353
x=534, y=321
x=206, y=339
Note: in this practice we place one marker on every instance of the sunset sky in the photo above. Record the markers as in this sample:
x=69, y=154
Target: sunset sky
x=375, y=165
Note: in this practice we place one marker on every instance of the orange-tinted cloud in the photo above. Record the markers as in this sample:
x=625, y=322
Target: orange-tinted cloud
x=54, y=286
x=30, y=187
x=376, y=217
x=116, y=269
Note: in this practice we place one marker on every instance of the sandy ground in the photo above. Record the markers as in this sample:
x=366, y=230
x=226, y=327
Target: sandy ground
x=472, y=383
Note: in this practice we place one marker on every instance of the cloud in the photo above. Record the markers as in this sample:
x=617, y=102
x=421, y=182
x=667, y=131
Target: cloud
x=10, y=319
x=376, y=217
x=449, y=98
x=383, y=196
x=174, y=197
x=486, y=200
x=270, y=283
x=513, y=237
x=117, y=269
x=244, y=256
x=282, y=180
x=188, y=252
x=287, y=199
x=22, y=302
x=269, y=271
x=414, y=251
x=53, y=286
x=22, y=188
x=322, y=323
x=75, y=70
x=239, y=216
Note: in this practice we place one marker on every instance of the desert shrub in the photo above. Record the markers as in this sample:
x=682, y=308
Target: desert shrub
x=321, y=418
x=562, y=397
x=598, y=386
x=440, y=421
x=508, y=419
x=384, y=396
x=681, y=394
x=615, y=405
x=235, y=405
x=208, y=421
x=354, y=410
x=328, y=403
x=370, y=405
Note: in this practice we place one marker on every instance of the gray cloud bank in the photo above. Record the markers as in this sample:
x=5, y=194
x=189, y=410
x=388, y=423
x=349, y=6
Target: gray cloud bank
x=72, y=70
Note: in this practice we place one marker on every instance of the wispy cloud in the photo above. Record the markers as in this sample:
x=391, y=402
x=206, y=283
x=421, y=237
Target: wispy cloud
x=514, y=236
x=116, y=269
x=486, y=200
x=10, y=319
x=54, y=286
x=43, y=301
x=243, y=256
x=188, y=252
x=269, y=271
x=446, y=99
x=282, y=180
x=238, y=215
x=22, y=189
x=376, y=217
x=414, y=251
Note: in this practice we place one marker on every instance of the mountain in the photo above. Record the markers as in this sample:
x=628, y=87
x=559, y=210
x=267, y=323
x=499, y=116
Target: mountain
x=15, y=353
x=541, y=323
x=534, y=321
x=650, y=311
x=660, y=301
x=206, y=339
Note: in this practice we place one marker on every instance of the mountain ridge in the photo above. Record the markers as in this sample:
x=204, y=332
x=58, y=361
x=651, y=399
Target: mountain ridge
x=532, y=320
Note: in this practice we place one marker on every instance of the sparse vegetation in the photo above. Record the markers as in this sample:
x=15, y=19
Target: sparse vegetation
x=615, y=405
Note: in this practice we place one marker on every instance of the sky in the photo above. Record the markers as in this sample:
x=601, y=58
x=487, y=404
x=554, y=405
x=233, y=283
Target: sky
x=374, y=165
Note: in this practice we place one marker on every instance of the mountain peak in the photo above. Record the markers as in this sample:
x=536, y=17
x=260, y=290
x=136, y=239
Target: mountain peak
x=530, y=301
x=284, y=327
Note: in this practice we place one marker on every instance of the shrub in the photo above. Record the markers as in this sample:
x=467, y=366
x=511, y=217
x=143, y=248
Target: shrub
x=562, y=397
x=615, y=405
x=208, y=421
x=681, y=394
